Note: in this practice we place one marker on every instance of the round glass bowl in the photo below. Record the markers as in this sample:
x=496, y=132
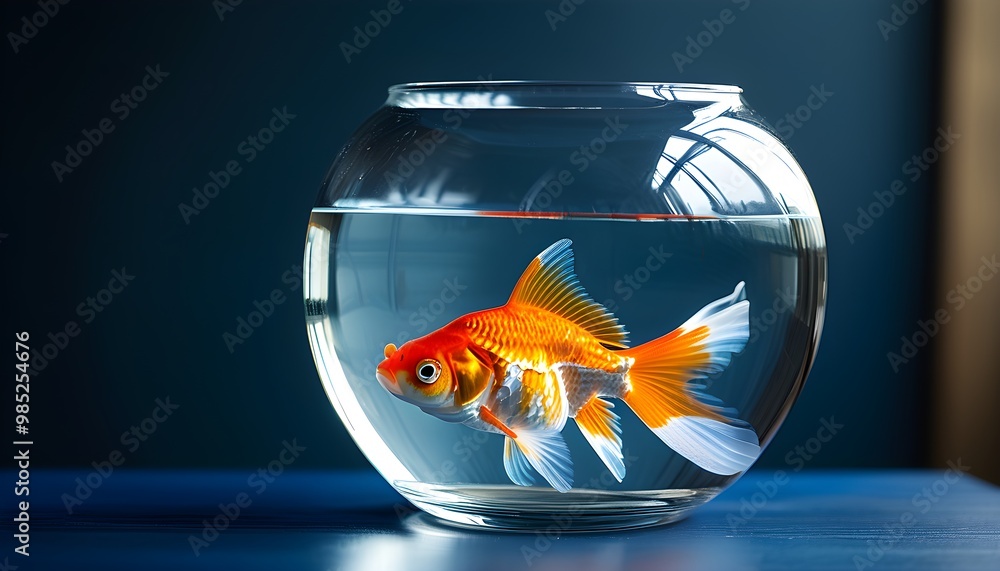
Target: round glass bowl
x=477, y=253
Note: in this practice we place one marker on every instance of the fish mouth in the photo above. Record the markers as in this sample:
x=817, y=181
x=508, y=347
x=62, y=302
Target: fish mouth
x=388, y=381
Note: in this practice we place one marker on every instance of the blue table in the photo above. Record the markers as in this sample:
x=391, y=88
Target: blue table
x=147, y=520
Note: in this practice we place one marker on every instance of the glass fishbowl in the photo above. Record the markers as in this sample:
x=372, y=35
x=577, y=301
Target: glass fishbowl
x=588, y=305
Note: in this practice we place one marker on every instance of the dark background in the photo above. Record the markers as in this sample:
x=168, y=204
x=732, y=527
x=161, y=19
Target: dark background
x=162, y=336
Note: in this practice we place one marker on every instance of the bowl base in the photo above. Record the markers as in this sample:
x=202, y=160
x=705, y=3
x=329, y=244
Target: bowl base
x=530, y=509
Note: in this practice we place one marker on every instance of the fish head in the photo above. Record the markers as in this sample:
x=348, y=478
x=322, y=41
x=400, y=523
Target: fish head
x=437, y=371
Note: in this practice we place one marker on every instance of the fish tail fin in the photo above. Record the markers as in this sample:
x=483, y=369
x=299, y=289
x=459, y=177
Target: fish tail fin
x=662, y=396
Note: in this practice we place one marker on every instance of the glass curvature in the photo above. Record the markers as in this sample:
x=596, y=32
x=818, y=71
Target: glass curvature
x=670, y=195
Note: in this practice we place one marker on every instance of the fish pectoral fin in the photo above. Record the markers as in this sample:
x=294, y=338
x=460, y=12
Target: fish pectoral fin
x=599, y=425
x=487, y=416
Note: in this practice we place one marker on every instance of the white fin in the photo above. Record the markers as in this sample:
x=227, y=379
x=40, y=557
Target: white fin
x=599, y=425
x=728, y=322
x=546, y=452
x=716, y=446
x=518, y=469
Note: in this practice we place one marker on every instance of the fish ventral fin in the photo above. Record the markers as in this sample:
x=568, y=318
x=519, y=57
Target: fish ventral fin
x=550, y=283
x=600, y=427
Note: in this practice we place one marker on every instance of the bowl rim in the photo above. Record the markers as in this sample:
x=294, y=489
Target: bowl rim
x=538, y=83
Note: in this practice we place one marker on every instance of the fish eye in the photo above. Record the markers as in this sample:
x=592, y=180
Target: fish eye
x=428, y=371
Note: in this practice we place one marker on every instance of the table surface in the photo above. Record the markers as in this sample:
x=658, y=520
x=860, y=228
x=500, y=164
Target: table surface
x=334, y=521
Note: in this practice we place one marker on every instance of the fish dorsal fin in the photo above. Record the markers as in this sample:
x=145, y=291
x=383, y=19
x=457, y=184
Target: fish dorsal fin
x=550, y=283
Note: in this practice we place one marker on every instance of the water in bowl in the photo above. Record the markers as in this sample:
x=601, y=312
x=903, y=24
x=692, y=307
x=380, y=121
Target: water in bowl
x=375, y=277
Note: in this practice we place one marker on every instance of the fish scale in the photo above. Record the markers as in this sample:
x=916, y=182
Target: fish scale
x=538, y=340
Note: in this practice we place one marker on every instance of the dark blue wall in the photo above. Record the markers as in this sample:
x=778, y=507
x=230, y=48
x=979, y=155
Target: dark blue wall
x=162, y=335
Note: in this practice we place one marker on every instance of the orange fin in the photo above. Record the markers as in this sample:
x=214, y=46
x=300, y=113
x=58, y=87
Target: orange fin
x=599, y=426
x=550, y=283
x=490, y=418
x=681, y=417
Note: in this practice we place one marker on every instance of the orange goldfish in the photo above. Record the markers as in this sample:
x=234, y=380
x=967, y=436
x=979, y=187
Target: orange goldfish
x=552, y=353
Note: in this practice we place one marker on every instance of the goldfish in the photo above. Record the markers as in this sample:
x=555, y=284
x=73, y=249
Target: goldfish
x=552, y=353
